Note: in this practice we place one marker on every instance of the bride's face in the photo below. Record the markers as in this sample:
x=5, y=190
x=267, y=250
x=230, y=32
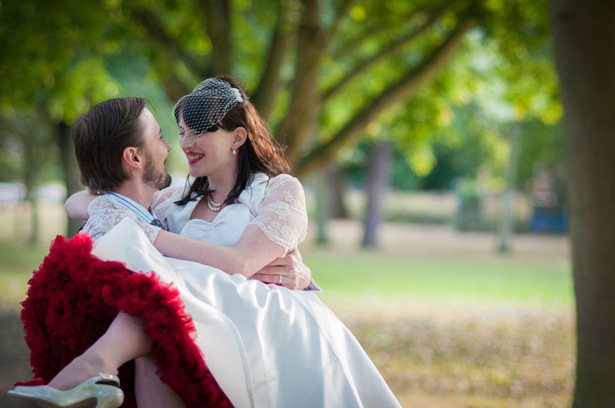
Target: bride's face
x=208, y=153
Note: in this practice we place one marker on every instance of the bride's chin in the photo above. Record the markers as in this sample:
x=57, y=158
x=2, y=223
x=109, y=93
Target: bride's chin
x=194, y=172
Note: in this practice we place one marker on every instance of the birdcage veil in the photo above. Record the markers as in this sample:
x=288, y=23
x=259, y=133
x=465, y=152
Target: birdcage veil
x=205, y=107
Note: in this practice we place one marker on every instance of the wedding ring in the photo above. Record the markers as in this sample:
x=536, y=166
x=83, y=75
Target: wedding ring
x=280, y=280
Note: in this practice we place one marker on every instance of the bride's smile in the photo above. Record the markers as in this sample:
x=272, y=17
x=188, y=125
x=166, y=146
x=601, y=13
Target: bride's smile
x=193, y=157
x=209, y=152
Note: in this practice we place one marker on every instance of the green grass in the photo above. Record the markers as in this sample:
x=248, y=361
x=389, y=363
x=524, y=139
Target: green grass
x=374, y=275
x=17, y=261
x=473, y=355
x=371, y=274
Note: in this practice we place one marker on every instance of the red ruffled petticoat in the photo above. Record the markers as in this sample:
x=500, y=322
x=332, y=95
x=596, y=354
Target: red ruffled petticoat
x=73, y=298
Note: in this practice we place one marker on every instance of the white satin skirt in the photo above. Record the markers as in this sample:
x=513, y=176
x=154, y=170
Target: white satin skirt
x=267, y=346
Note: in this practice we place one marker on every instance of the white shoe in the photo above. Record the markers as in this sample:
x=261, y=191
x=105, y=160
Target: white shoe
x=101, y=391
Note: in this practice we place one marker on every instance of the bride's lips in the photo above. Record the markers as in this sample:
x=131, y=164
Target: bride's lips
x=194, y=157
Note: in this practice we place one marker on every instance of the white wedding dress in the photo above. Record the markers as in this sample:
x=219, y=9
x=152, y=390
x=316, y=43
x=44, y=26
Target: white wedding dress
x=266, y=345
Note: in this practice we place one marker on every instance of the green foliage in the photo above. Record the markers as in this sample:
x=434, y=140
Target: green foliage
x=134, y=77
x=542, y=148
x=504, y=69
x=25, y=137
x=39, y=40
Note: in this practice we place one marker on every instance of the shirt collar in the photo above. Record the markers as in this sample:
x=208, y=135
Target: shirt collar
x=140, y=211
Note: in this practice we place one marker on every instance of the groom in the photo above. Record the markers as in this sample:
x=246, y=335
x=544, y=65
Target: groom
x=121, y=152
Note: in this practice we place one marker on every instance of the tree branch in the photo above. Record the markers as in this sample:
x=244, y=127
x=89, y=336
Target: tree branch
x=157, y=33
x=302, y=113
x=153, y=27
x=339, y=16
x=398, y=92
x=218, y=26
x=393, y=48
x=175, y=88
x=270, y=82
x=372, y=31
x=309, y=40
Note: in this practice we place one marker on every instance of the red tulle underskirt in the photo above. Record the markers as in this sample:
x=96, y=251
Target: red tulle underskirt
x=73, y=298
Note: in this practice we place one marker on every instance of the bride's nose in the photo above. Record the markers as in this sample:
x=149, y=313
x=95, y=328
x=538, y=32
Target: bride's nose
x=186, y=141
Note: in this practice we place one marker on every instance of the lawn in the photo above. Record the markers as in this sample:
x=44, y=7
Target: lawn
x=17, y=261
x=448, y=322
x=403, y=278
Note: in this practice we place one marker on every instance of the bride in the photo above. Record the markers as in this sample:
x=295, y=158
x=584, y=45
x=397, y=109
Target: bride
x=265, y=345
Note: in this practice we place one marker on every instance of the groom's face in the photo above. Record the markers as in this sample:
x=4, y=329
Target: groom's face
x=156, y=152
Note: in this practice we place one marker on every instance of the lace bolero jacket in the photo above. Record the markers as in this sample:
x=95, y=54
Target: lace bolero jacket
x=280, y=212
x=105, y=212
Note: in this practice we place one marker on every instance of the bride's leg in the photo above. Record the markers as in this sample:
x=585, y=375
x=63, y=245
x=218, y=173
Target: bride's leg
x=150, y=391
x=124, y=340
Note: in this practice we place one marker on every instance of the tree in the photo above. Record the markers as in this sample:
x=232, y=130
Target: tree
x=584, y=34
x=319, y=56
x=378, y=176
x=324, y=72
x=28, y=132
x=61, y=77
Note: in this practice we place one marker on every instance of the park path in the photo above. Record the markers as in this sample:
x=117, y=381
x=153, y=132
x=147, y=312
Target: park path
x=14, y=354
x=441, y=241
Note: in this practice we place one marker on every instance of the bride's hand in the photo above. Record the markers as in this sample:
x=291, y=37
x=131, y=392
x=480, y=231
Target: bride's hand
x=295, y=274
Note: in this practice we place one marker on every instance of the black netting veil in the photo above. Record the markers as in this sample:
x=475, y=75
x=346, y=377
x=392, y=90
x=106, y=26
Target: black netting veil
x=205, y=107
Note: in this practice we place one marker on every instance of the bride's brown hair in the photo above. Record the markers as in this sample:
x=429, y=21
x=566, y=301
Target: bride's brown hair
x=259, y=154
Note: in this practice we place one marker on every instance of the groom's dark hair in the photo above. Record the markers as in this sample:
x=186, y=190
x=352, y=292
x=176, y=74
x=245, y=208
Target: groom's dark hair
x=101, y=135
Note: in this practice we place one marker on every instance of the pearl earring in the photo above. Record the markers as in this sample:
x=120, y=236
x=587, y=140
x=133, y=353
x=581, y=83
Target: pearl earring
x=234, y=151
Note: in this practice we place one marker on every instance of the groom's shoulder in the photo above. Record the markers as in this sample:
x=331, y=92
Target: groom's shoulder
x=105, y=212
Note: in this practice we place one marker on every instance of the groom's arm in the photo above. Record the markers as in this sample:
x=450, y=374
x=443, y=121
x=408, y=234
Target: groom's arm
x=295, y=274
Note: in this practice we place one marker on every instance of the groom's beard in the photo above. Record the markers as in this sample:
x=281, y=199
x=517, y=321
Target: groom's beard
x=154, y=178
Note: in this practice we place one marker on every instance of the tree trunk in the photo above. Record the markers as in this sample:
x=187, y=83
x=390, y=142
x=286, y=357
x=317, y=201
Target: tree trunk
x=30, y=184
x=336, y=187
x=507, y=214
x=299, y=124
x=218, y=26
x=71, y=171
x=584, y=34
x=322, y=209
x=377, y=181
x=271, y=83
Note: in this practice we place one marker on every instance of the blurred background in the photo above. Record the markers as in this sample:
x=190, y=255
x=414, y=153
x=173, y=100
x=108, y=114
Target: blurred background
x=427, y=135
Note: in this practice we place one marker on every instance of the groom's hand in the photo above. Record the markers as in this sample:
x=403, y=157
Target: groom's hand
x=295, y=274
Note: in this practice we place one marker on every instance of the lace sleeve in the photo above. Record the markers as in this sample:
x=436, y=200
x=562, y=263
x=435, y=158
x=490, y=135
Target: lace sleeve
x=105, y=213
x=282, y=215
x=164, y=199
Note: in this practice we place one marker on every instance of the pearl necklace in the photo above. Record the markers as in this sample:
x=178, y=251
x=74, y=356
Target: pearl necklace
x=214, y=206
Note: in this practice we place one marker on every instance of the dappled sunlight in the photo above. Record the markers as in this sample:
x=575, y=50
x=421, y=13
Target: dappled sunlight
x=505, y=355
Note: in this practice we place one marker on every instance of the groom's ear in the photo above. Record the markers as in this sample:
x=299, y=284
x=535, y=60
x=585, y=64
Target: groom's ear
x=132, y=159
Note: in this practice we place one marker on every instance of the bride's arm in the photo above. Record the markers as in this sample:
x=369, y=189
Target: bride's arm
x=279, y=227
x=76, y=205
x=253, y=251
